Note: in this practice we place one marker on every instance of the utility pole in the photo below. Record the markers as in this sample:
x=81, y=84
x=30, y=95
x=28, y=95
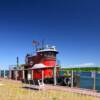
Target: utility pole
x=16, y=72
x=17, y=61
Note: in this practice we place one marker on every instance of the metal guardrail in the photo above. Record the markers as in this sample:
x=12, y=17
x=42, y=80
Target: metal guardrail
x=84, y=79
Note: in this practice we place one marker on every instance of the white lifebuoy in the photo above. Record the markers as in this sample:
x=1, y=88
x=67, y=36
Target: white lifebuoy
x=66, y=81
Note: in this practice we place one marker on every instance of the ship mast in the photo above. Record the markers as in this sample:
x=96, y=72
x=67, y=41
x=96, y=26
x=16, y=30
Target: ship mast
x=36, y=44
x=42, y=44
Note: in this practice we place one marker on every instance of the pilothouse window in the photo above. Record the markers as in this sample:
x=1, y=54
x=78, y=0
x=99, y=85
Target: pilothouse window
x=49, y=54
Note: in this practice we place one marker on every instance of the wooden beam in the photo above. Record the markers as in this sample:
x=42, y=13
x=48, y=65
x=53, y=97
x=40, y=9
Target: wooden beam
x=55, y=80
x=42, y=76
x=72, y=77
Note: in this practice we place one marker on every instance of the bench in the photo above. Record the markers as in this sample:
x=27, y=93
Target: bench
x=33, y=84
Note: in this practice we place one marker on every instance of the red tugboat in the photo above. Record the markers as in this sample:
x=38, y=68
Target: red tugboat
x=44, y=61
x=40, y=65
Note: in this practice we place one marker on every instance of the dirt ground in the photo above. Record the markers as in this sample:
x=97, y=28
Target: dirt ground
x=12, y=90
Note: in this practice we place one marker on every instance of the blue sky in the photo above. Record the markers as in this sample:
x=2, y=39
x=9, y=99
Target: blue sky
x=72, y=25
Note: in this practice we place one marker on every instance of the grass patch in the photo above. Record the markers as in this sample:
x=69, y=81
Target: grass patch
x=13, y=91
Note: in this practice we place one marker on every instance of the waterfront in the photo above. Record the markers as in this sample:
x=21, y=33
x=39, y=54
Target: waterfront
x=87, y=80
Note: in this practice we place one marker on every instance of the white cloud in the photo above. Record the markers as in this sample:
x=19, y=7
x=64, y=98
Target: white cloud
x=83, y=65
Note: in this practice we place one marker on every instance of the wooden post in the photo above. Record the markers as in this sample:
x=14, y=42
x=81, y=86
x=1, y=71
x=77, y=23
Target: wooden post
x=55, y=81
x=16, y=74
x=42, y=76
x=23, y=74
x=9, y=73
x=0, y=72
x=32, y=74
x=94, y=80
x=4, y=73
x=72, y=76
